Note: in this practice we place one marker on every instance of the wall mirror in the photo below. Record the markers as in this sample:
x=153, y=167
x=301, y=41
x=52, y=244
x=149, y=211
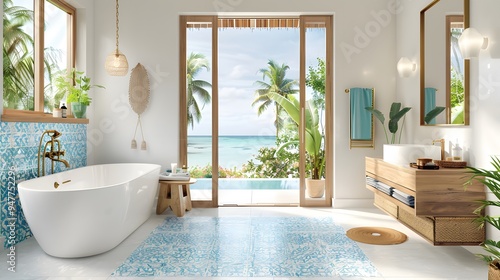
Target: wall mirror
x=444, y=74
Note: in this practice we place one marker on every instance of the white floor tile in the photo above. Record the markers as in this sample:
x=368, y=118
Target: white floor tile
x=414, y=259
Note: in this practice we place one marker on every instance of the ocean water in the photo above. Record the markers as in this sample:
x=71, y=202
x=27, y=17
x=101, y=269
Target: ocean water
x=234, y=151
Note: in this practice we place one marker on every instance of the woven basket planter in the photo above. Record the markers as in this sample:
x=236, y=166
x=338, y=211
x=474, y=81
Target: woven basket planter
x=494, y=271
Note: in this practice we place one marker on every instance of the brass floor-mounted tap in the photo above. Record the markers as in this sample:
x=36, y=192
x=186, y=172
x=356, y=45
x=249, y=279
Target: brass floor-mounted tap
x=54, y=154
x=441, y=141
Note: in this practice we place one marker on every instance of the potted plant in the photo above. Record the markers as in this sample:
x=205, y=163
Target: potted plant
x=395, y=114
x=76, y=85
x=491, y=179
x=315, y=154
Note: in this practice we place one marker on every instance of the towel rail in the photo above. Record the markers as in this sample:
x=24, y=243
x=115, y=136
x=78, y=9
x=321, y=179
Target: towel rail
x=347, y=90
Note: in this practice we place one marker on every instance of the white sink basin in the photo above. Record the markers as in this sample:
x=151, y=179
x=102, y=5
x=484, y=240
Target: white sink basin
x=403, y=154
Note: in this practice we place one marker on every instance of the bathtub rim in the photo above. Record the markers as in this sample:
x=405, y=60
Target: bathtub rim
x=22, y=185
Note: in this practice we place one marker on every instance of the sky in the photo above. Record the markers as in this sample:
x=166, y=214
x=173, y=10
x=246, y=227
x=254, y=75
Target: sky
x=242, y=52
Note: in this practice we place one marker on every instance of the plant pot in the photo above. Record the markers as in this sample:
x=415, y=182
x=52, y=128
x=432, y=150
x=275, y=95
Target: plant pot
x=315, y=188
x=79, y=110
x=494, y=271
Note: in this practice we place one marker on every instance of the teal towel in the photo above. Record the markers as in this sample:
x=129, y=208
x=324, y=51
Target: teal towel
x=430, y=102
x=361, y=119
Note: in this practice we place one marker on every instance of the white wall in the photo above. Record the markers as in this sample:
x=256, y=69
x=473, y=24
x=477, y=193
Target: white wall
x=480, y=137
x=149, y=34
x=485, y=75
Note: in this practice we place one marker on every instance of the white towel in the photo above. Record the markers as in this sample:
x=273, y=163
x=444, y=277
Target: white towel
x=175, y=176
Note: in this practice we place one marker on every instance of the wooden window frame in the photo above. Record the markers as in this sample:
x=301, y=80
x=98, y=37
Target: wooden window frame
x=38, y=115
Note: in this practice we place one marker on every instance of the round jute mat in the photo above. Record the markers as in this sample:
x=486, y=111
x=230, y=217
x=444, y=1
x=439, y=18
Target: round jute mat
x=376, y=235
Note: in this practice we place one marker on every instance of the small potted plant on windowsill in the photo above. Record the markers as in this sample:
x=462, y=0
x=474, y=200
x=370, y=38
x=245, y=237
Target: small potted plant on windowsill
x=76, y=85
x=491, y=179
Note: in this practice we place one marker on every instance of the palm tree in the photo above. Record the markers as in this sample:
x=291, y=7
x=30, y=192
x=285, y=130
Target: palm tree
x=18, y=63
x=18, y=60
x=196, y=89
x=278, y=84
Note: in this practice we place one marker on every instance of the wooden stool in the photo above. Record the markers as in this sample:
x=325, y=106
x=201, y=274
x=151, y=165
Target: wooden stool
x=175, y=194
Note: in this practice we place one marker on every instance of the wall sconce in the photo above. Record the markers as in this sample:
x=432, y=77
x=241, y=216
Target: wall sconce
x=116, y=62
x=471, y=42
x=406, y=67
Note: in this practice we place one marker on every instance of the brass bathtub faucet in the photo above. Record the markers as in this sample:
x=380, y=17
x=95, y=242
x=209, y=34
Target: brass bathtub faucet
x=54, y=154
x=56, y=184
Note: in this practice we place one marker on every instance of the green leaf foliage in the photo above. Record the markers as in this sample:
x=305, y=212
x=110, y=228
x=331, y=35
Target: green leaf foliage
x=433, y=113
x=395, y=107
x=274, y=81
x=75, y=85
x=377, y=114
x=491, y=179
x=313, y=136
x=395, y=114
x=198, y=91
x=316, y=80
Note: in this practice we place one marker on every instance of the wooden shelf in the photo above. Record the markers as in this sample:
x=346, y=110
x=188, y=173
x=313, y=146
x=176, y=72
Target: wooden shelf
x=391, y=199
x=40, y=118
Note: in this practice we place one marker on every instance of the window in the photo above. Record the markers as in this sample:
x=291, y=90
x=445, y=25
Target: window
x=39, y=44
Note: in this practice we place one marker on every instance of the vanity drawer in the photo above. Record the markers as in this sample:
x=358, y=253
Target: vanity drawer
x=457, y=230
x=421, y=225
x=383, y=203
x=444, y=230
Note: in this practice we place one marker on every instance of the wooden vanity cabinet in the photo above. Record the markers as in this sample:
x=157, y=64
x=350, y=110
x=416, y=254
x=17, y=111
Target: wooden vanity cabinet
x=443, y=206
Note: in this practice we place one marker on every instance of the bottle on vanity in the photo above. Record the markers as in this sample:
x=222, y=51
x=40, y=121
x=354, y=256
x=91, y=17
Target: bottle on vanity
x=457, y=152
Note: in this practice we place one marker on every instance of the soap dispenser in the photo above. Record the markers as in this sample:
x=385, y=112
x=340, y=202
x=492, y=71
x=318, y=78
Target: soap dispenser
x=456, y=152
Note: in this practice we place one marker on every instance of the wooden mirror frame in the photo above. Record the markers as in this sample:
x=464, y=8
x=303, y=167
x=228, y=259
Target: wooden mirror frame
x=422, y=69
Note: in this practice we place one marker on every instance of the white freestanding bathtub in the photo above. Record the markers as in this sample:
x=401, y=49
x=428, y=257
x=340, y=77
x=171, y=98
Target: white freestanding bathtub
x=92, y=210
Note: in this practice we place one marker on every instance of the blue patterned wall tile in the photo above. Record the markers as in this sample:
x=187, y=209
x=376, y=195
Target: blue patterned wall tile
x=19, y=149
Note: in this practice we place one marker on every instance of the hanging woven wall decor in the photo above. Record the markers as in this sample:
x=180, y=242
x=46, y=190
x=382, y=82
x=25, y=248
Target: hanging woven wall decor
x=138, y=97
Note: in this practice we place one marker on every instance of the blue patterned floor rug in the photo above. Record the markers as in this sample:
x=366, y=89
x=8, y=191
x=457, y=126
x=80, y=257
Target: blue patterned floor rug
x=247, y=247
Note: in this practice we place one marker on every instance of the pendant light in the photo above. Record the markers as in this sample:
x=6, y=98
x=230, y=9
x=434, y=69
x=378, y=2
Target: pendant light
x=116, y=62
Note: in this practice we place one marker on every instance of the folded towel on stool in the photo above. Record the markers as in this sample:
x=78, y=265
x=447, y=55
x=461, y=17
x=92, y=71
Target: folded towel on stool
x=175, y=176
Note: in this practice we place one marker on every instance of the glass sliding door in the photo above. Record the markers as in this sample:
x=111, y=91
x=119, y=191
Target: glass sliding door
x=258, y=58
x=316, y=122
x=198, y=103
x=255, y=137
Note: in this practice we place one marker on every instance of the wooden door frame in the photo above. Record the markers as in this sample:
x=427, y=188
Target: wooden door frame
x=329, y=121
x=326, y=201
x=183, y=132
